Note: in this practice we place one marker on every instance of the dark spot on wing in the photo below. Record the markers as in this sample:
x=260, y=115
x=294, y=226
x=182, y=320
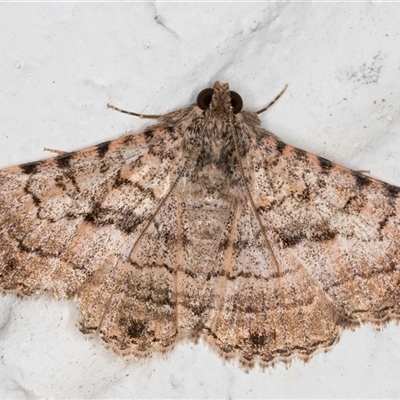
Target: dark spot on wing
x=361, y=180
x=97, y=215
x=64, y=160
x=149, y=133
x=59, y=181
x=296, y=233
x=197, y=309
x=120, y=181
x=280, y=146
x=383, y=222
x=128, y=139
x=11, y=265
x=392, y=191
x=102, y=148
x=35, y=250
x=257, y=339
x=223, y=245
x=325, y=164
x=35, y=199
x=291, y=239
x=300, y=153
x=135, y=328
x=322, y=234
x=30, y=168
x=127, y=221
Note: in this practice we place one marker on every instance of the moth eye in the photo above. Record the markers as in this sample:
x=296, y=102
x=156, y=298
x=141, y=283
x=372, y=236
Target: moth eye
x=237, y=102
x=204, y=98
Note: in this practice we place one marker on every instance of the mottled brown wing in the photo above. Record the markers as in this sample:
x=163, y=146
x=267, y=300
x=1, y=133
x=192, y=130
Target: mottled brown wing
x=340, y=227
x=265, y=316
x=65, y=218
x=318, y=251
x=173, y=283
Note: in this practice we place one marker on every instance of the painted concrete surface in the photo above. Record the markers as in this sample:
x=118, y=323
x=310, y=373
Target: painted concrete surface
x=63, y=62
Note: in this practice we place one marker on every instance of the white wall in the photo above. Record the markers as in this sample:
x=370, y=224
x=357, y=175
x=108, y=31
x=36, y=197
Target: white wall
x=62, y=62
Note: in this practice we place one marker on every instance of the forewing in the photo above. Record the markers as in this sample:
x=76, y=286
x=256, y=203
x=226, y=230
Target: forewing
x=340, y=226
x=62, y=219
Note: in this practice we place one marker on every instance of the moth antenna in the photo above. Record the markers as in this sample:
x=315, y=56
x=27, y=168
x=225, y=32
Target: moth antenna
x=273, y=101
x=132, y=113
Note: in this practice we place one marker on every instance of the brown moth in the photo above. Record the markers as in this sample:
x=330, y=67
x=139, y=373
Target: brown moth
x=204, y=225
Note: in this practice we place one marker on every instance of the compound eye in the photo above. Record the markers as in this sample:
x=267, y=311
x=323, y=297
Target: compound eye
x=236, y=101
x=204, y=98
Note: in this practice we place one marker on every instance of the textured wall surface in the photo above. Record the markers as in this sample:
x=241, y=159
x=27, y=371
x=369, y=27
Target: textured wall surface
x=62, y=63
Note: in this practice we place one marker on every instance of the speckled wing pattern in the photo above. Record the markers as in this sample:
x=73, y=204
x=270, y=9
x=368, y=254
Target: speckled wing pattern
x=204, y=225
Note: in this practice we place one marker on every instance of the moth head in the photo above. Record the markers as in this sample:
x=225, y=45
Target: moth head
x=219, y=97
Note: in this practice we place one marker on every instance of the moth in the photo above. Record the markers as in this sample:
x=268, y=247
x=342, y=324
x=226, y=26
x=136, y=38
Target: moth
x=204, y=225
